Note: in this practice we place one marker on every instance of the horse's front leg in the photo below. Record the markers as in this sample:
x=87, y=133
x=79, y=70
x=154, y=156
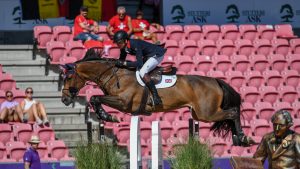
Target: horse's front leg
x=96, y=102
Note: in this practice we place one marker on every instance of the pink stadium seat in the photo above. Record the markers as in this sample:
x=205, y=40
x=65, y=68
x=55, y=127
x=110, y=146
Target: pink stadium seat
x=184, y=63
x=196, y=72
x=222, y=63
x=16, y=150
x=83, y=90
x=260, y=127
x=278, y=62
x=295, y=45
x=75, y=49
x=3, y=154
x=168, y=60
x=253, y=147
x=269, y=94
x=145, y=128
x=284, y=105
x=193, y=32
x=102, y=32
x=296, y=107
x=67, y=59
x=218, y=146
x=254, y=78
x=265, y=110
x=259, y=62
x=237, y=150
x=6, y=82
x=250, y=94
x=266, y=32
x=284, y=31
x=62, y=33
x=288, y=94
x=203, y=63
x=211, y=32
x=207, y=47
x=294, y=61
x=160, y=33
x=55, y=50
x=170, y=116
x=172, y=48
x=281, y=46
x=248, y=112
x=122, y=134
x=273, y=78
x=45, y=133
x=204, y=130
x=216, y=74
x=230, y=32
x=291, y=77
x=297, y=125
x=57, y=149
x=43, y=152
x=181, y=129
x=174, y=32
x=188, y=47
x=236, y=78
x=166, y=130
x=248, y=32
x=185, y=114
x=22, y=132
x=5, y=133
x=246, y=128
x=226, y=47
x=240, y=63
x=42, y=34
x=244, y=47
x=93, y=91
x=152, y=117
x=263, y=46
x=19, y=95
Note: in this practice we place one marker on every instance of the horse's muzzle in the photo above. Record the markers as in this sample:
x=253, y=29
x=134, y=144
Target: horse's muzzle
x=66, y=100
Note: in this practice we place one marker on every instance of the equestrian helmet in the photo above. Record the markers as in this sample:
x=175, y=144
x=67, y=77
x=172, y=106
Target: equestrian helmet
x=120, y=36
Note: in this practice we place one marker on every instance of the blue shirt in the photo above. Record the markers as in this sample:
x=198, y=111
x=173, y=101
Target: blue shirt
x=32, y=156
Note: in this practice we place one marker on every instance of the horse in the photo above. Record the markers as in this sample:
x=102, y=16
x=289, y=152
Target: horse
x=208, y=99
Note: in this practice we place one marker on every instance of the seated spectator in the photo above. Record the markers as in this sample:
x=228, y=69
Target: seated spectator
x=35, y=109
x=10, y=110
x=121, y=21
x=141, y=28
x=85, y=28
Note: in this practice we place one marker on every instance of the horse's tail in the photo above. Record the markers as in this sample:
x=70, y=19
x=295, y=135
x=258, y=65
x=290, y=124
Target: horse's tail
x=231, y=99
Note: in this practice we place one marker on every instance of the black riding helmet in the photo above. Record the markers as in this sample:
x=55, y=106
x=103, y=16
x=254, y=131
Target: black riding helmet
x=120, y=36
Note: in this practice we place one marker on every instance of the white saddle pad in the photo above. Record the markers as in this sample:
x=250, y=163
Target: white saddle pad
x=166, y=80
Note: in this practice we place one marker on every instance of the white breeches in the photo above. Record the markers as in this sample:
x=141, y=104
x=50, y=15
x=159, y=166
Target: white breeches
x=150, y=64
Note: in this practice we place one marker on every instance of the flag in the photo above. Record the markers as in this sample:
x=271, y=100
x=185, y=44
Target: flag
x=94, y=7
x=48, y=9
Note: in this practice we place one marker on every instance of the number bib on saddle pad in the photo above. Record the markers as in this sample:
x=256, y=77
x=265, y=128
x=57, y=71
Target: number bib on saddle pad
x=165, y=82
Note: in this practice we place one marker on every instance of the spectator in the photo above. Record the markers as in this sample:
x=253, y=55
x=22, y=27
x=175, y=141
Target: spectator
x=121, y=21
x=85, y=28
x=10, y=109
x=35, y=109
x=31, y=156
x=141, y=28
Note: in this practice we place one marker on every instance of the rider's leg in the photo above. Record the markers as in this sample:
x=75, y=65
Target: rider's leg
x=150, y=64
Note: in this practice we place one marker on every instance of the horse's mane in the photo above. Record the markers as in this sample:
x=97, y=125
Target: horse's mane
x=94, y=55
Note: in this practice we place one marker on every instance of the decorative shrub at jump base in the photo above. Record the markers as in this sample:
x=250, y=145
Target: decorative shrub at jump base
x=192, y=155
x=97, y=156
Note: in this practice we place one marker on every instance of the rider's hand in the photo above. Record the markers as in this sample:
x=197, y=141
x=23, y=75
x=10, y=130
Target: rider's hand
x=120, y=63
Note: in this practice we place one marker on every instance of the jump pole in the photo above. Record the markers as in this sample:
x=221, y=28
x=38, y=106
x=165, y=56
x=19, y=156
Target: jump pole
x=135, y=144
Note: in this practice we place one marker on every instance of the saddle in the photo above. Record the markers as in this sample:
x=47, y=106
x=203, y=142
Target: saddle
x=156, y=74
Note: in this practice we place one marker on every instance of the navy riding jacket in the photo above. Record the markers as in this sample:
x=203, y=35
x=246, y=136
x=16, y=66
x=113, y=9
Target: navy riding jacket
x=142, y=50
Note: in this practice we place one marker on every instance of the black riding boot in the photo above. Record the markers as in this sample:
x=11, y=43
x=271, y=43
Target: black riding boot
x=150, y=84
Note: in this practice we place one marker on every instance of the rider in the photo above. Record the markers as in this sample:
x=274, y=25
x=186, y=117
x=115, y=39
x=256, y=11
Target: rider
x=148, y=56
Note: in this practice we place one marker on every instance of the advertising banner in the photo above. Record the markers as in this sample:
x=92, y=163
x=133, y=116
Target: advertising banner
x=231, y=11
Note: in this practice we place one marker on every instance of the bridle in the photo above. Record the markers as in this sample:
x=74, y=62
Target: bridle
x=72, y=73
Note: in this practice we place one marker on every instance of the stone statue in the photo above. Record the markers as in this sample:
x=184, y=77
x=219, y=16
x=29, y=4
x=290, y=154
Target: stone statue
x=282, y=146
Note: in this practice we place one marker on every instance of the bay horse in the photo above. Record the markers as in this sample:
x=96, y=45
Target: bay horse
x=209, y=99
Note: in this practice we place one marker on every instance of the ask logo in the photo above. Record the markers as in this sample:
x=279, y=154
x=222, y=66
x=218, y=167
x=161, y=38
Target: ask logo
x=178, y=14
x=232, y=13
x=287, y=13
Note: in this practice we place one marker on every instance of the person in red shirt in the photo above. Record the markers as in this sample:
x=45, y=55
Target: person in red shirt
x=121, y=21
x=141, y=28
x=85, y=28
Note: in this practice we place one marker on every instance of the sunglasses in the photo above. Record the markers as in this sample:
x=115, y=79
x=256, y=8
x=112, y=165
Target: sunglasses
x=121, y=14
x=9, y=96
x=29, y=92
